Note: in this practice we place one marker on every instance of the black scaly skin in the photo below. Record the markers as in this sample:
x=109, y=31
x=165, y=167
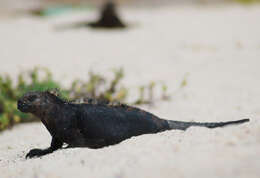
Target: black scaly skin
x=95, y=125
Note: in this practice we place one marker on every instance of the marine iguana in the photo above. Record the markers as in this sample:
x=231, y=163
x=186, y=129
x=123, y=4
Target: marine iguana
x=95, y=124
x=108, y=17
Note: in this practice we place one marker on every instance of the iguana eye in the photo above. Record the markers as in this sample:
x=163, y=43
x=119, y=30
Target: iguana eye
x=32, y=98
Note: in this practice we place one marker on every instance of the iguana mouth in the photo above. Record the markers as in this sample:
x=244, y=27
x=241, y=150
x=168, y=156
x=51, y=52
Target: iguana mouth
x=23, y=107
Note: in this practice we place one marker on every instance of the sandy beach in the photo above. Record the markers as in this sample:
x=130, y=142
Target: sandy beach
x=216, y=48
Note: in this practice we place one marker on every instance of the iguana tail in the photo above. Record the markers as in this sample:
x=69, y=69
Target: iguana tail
x=179, y=125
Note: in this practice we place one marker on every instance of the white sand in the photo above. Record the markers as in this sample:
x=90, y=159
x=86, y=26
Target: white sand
x=219, y=49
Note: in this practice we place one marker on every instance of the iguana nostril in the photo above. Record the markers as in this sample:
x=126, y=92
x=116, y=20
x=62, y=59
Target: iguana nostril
x=20, y=102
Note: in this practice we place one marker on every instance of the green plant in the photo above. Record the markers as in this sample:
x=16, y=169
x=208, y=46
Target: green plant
x=97, y=86
x=100, y=87
x=247, y=1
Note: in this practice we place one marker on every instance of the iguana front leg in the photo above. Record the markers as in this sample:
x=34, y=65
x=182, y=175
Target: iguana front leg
x=55, y=145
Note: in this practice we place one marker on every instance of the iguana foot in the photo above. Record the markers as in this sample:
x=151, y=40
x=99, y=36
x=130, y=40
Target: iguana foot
x=37, y=153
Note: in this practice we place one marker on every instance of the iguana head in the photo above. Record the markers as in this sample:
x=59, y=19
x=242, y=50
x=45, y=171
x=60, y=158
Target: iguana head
x=32, y=102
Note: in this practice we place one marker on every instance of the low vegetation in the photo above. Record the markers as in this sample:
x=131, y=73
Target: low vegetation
x=97, y=86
